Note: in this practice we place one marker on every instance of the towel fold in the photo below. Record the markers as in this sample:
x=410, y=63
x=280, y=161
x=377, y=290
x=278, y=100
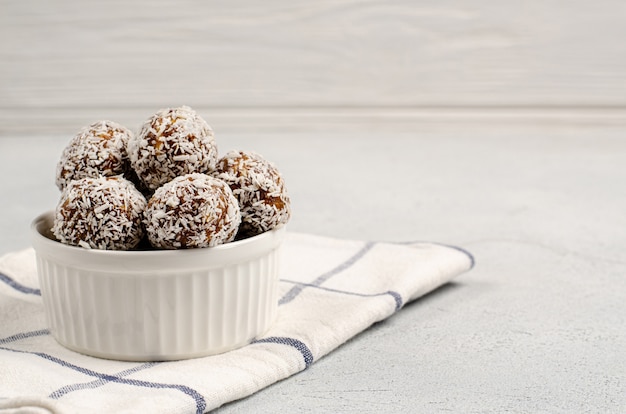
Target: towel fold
x=330, y=290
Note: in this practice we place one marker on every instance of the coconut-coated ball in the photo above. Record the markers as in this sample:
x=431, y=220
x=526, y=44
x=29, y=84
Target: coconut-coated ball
x=97, y=150
x=259, y=188
x=100, y=213
x=194, y=210
x=171, y=143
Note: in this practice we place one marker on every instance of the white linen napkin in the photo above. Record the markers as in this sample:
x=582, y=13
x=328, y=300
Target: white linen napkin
x=330, y=290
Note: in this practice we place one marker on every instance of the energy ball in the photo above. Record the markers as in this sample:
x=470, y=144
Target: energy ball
x=100, y=213
x=259, y=188
x=172, y=143
x=97, y=150
x=194, y=210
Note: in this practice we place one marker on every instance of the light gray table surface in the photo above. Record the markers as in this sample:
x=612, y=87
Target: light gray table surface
x=537, y=326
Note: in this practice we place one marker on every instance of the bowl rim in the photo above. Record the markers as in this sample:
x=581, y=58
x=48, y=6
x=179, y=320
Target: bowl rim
x=227, y=252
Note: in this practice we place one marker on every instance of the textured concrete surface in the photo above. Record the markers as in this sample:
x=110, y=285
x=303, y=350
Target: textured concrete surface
x=537, y=326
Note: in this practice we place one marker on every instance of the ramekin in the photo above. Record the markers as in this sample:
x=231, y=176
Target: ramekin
x=157, y=305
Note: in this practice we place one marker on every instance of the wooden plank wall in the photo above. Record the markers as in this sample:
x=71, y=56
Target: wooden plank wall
x=299, y=64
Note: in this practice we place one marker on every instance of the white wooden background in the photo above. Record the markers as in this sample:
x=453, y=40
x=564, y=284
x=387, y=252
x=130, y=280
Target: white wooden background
x=308, y=64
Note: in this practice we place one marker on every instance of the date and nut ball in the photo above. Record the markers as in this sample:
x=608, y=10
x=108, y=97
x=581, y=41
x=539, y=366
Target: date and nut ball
x=259, y=188
x=100, y=213
x=193, y=210
x=171, y=143
x=97, y=150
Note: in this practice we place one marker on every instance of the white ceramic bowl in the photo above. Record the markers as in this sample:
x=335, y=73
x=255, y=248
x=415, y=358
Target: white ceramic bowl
x=159, y=304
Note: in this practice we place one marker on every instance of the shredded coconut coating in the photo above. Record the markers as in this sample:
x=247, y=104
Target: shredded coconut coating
x=97, y=150
x=172, y=143
x=259, y=188
x=194, y=210
x=100, y=213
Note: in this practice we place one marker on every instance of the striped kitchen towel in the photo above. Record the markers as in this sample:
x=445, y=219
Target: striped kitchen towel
x=330, y=290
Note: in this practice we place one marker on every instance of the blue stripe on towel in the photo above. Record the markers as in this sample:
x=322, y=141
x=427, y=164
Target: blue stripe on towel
x=198, y=398
x=462, y=250
x=395, y=295
x=19, y=287
x=298, y=345
x=295, y=291
x=99, y=382
x=23, y=335
x=451, y=246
